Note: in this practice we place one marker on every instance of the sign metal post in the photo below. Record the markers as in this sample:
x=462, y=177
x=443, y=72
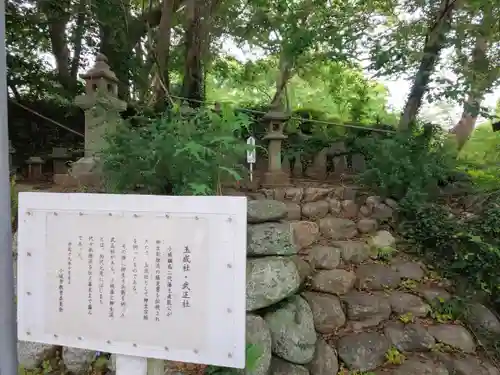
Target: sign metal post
x=8, y=335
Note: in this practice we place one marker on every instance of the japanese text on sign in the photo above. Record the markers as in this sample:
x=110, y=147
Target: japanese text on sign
x=147, y=276
x=110, y=263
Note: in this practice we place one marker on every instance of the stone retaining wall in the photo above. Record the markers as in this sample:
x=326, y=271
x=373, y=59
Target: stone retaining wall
x=328, y=293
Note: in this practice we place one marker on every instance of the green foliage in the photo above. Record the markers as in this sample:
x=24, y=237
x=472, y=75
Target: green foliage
x=479, y=158
x=45, y=368
x=253, y=352
x=415, y=169
x=306, y=137
x=386, y=253
x=409, y=165
x=488, y=222
x=409, y=284
x=485, y=178
x=444, y=311
x=325, y=90
x=184, y=152
x=466, y=250
x=484, y=146
x=406, y=318
x=394, y=357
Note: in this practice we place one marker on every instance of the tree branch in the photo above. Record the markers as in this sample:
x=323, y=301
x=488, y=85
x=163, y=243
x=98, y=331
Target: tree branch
x=150, y=19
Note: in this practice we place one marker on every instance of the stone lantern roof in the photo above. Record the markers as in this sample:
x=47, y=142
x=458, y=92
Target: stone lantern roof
x=100, y=70
x=275, y=114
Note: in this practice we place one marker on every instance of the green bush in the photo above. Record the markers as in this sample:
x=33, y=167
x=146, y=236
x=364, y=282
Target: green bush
x=480, y=156
x=415, y=168
x=408, y=166
x=465, y=249
x=253, y=352
x=485, y=177
x=184, y=152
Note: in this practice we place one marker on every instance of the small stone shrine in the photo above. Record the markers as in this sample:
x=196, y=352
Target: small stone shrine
x=35, y=168
x=102, y=108
x=60, y=157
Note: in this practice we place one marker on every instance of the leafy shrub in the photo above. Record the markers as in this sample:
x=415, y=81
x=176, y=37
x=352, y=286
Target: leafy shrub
x=479, y=158
x=485, y=177
x=414, y=167
x=408, y=166
x=184, y=152
x=462, y=249
x=253, y=353
x=488, y=222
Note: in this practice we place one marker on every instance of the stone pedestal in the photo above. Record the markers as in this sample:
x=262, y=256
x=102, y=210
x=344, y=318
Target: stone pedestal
x=275, y=175
x=358, y=163
x=60, y=158
x=85, y=172
x=92, y=180
x=275, y=179
x=339, y=161
x=35, y=168
x=318, y=168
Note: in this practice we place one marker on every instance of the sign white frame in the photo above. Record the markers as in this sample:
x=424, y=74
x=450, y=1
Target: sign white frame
x=227, y=276
x=251, y=153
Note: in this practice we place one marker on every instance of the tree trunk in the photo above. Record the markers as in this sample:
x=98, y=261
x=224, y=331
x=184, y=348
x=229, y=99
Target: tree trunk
x=112, y=17
x=162, y=55
x=192, y=84
x=479, y=82
x=148, y=20
x=284, y=75
x=78, y=38
x=434, y=42
x=465, y=126
x=58, y=15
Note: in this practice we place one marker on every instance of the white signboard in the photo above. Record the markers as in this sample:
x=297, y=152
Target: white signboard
x=251, y=154
x=148, y=276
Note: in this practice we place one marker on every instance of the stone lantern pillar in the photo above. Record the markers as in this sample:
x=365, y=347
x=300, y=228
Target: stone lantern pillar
x=275, y=175
x=102, y=114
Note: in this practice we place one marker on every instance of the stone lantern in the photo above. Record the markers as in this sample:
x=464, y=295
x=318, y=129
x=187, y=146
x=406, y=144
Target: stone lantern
x=102, y=114
x=100, y=103
x=100, y=78
x=276, y=123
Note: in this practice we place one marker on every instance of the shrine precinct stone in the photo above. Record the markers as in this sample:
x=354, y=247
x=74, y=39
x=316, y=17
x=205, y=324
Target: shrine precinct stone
x=114, y=273
x=271, y=239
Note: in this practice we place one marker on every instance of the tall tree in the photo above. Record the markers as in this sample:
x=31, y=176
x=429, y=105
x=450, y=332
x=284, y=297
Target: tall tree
x=481, y=71
x=162, y=54
x=435, y=41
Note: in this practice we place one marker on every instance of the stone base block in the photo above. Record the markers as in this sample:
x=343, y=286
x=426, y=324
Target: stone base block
x=278, y=178
x=85, y=165
x=82, y=180
x=317, y=173
x=60, y=166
